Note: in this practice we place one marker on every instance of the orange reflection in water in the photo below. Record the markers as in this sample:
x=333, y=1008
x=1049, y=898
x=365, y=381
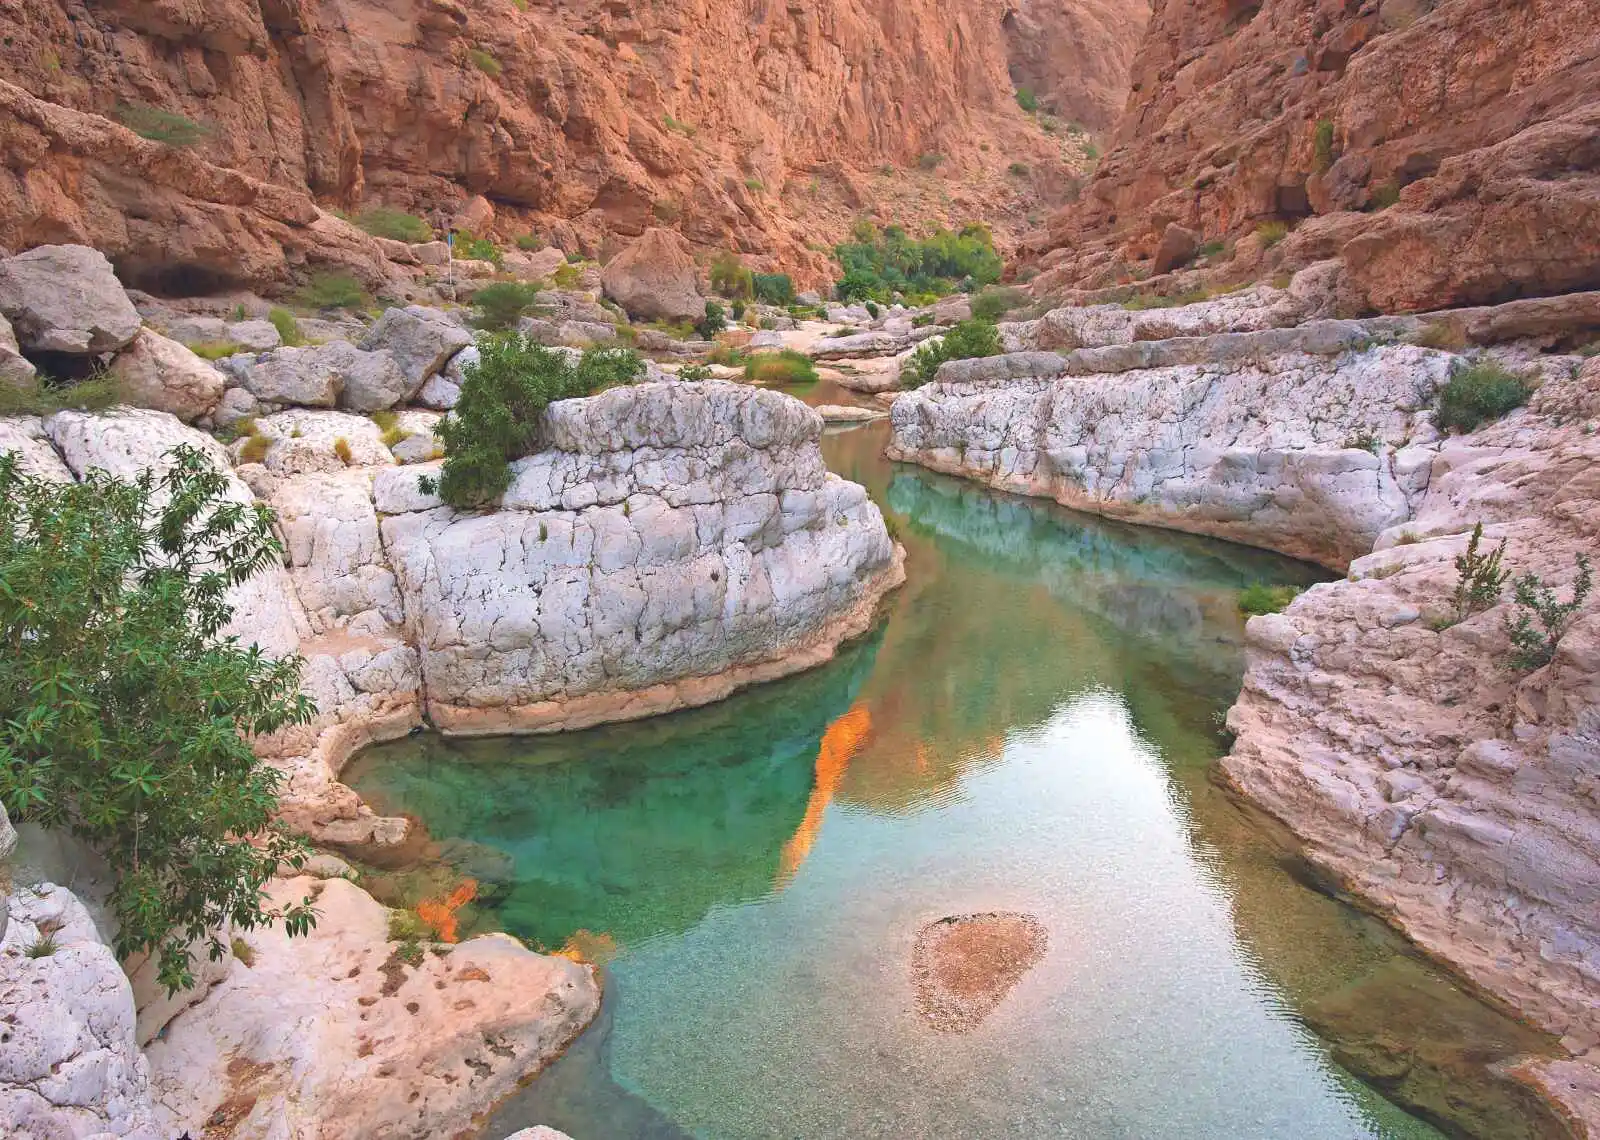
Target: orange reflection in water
x=441, y=913
x=840, y=743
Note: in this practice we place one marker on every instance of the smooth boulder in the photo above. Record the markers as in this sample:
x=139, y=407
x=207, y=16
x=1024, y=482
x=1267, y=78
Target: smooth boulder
x=66, y=298
x=421, y=340
x=154, y=372
x=655, y=279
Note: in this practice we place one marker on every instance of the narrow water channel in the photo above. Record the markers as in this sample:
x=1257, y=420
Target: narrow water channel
x=1030, y=730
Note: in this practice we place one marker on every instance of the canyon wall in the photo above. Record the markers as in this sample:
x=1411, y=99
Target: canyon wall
x=1449, y=150
x=758, y=126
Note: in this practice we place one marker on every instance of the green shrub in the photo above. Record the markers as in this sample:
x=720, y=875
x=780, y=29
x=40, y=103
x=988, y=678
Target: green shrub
x=754, y=185
x=1213, y=248
x=730, y=278
x=575, y=258
x=500, y=412
x=1479, y=394
x=384, y=222
x=255, y=448
x=42, y=947
x=479, y=249
x=780, y=369
x=994, y=303
x=929, y=160
x=1479, y=578
x=694, y=372
x=160, y=126
x=681, y=128
x=1271, y=233
x=1027, y=100
x=215, y=349
x=566, y=276
x=1364, y=440
x=736, y=311
x=877, y=265
x=1019, y=169
x=530, y=243
x=1258, y=598
x=965, y=341
x=43, y=397
x=484, y=62
x=502, y=304
x=1322, y=145
x=773, y=288
x=714, y=321
x=1534, y=646
x=333, y=291
x=124, y=712
x=288, y=328
x=728, y=356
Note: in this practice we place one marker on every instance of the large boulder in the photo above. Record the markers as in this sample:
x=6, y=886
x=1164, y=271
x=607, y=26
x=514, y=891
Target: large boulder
x=323, y=375
x=537, y=265
x=1178, y=248
x=65, y=298
x=154, y=372
x=420, y=339
x=655, y=279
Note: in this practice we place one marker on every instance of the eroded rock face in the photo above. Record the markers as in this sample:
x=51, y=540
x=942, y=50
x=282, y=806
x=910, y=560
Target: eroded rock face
x=595, y=122
x=1310, y=455
x=675, y=541
x=1453, y=791
x=1493, y=175
x=71, y=1066
x=301, y=1041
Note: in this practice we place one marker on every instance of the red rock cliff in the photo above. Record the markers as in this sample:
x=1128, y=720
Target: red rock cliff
x=1449, y=149
x=757, y=125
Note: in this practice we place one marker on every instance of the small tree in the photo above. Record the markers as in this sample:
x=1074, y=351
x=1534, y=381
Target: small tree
x=715, y=320
x=501, y=409
x=124, y=712
x=963, y=342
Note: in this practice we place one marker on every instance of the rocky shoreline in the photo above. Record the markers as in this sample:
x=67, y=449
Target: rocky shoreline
x=1438, y=786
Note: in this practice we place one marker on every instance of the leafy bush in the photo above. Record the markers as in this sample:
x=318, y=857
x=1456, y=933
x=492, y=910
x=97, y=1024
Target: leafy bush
x=929, y=160
x=715, y=320
x=1258, y=598
x=780, y=369
x=754, y=185
x=1479, y=394
x=1534, y=646
x=992, y=304
x=773, y=288
x=879, y=264
x=693, y=373
x=566, y=276
x=43, y=397
x=736, y=311
x=501, y=409
x=479, y=249
x=124, y=713
x=484, y=62
x=1027, y=100
x=530, y=243
x=728, y=356
x=333, y=291
x=384, y=222
x=502, y=304
x=963, y=342
x=1271, y=233
x=1479, y=578
x=730, y=278
x=1213, y=248
x=288, y=328
x=161, y=126
x=255, y=447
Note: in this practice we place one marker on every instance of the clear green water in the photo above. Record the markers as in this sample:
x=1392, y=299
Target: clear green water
x=1029, y=730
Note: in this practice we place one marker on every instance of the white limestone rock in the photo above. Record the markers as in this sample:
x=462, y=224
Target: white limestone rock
x=305, y=440
x=70, y=1066
x=320, y=376
x=66, y=298
x=421, y=340
x=334, y=1034
x=26, y=437
x=1292, y=452
x=154, y=372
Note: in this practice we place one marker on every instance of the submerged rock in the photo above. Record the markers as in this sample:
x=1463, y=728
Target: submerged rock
x=964, y=966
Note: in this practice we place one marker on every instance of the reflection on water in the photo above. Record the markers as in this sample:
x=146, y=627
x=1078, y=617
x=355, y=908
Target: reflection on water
x=1029, y=731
